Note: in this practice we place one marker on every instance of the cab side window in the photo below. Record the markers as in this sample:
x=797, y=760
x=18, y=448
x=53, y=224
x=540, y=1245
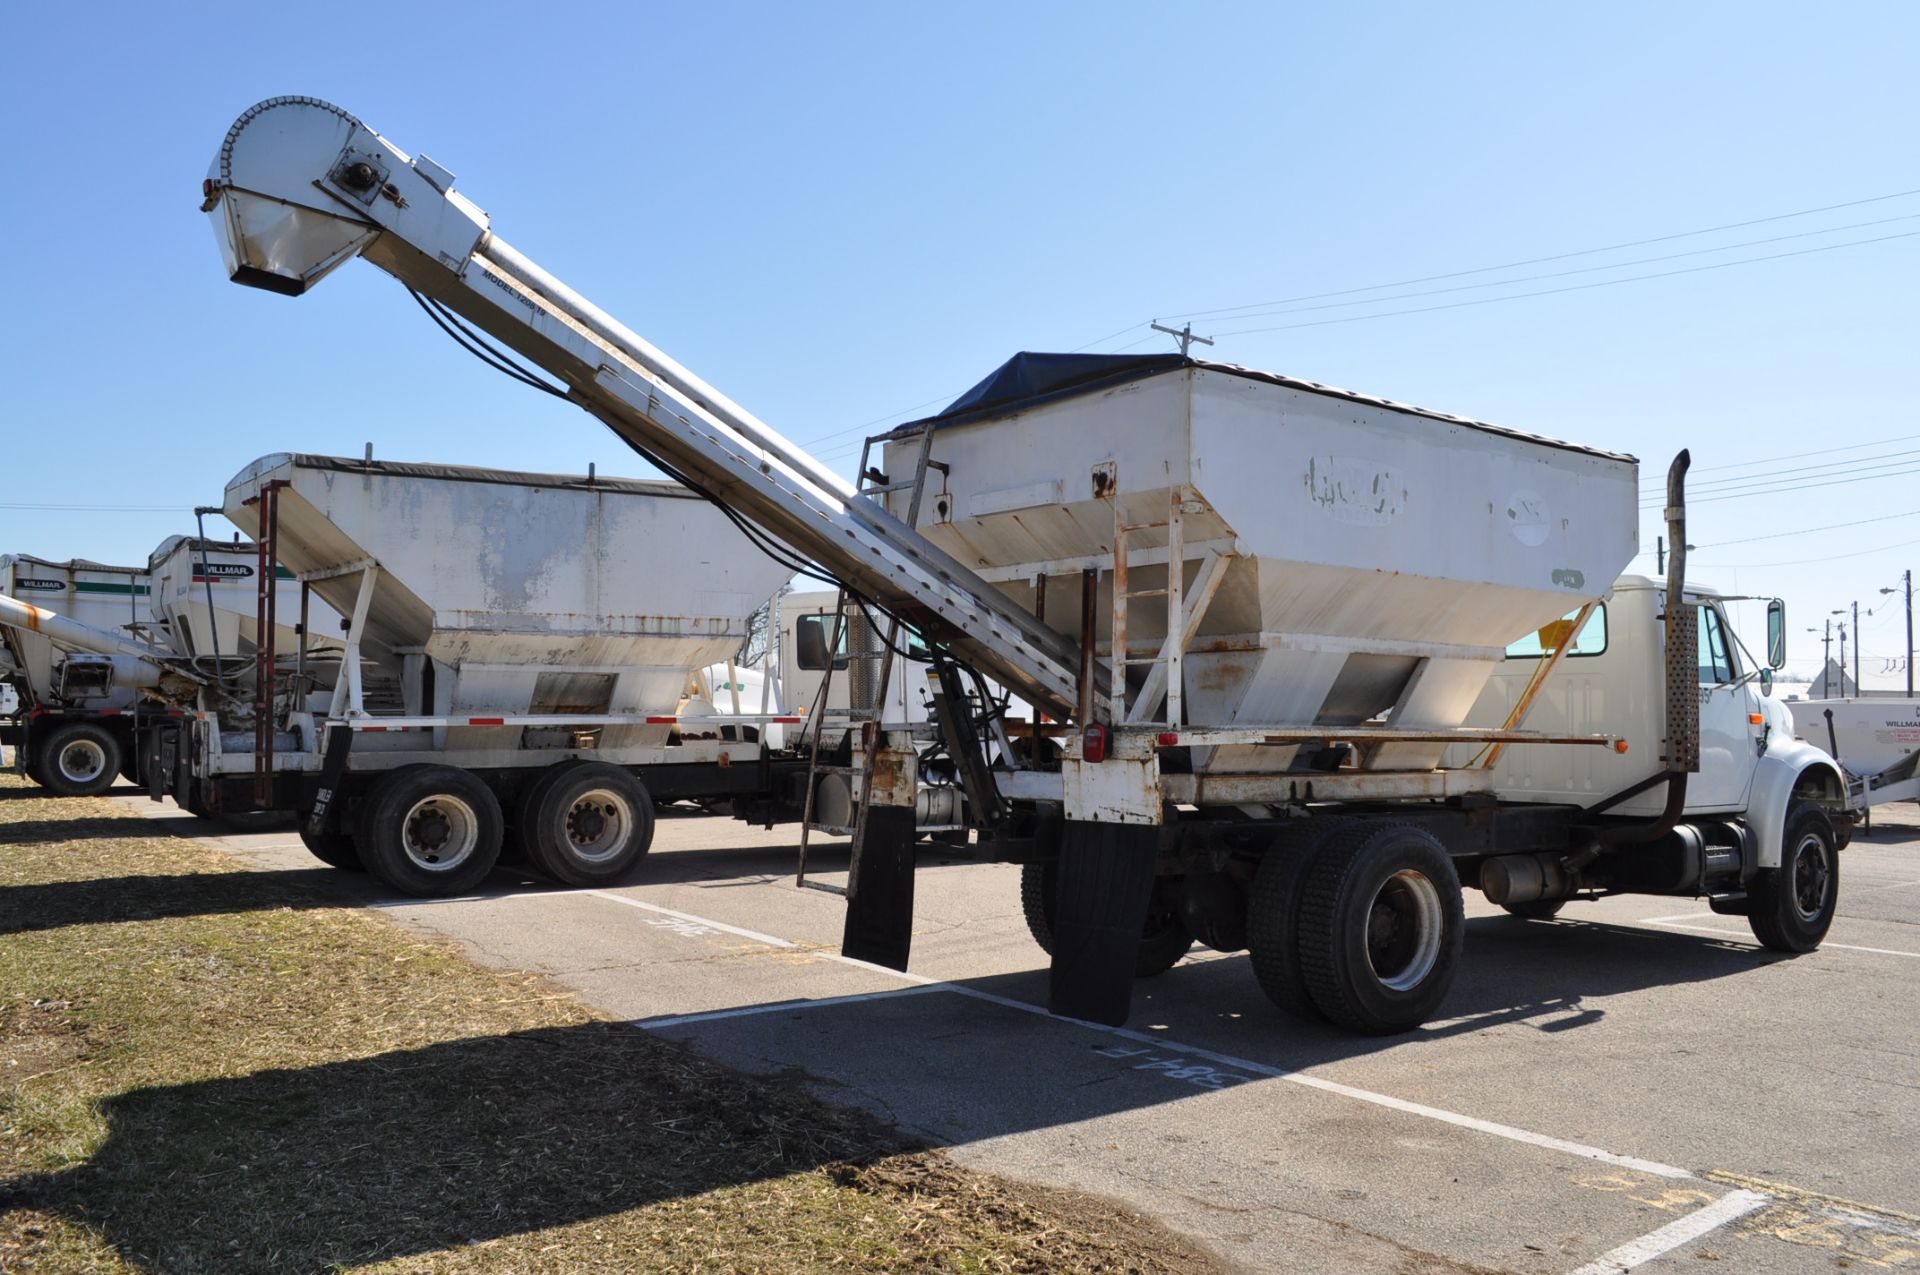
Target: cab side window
x=1716, y=664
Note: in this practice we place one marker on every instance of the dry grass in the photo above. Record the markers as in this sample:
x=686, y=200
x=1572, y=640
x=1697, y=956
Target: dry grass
x=209, y=1070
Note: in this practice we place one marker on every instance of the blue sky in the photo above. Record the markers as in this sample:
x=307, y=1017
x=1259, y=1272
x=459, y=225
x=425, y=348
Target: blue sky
x=838, y=213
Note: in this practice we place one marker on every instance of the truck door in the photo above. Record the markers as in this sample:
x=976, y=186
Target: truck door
x=1727, y=733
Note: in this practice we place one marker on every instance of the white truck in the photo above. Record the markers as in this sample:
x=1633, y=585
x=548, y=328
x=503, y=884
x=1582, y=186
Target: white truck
x=1257, y=620
x=80, y=705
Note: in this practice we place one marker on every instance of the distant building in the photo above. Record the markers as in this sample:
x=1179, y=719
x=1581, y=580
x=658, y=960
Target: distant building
x=1880, y=678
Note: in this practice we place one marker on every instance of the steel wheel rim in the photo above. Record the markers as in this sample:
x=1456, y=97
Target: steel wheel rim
x=598, y=825
x=439, y=833
x=1404, y=924
x=1811, y=874
x=91, y=759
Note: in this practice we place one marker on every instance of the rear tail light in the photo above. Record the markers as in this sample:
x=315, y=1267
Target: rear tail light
x=1093, y=743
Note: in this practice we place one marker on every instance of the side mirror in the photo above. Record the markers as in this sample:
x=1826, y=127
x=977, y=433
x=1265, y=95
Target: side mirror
x=1766, y=681
x=810, y=643
x=1776, y=633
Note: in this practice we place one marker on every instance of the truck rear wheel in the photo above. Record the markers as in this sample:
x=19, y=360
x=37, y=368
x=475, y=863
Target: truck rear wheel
x=1163, y=940
x=1790, y=908
x=1273, y=915
x=335, y=849
x=430, y=831
x=518, y=846
x=1381, y=926
x=590, y=826
x=79, y=759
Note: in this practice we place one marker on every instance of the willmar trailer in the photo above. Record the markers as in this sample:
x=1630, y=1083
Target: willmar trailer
x=83, y=699
x=1874, y=740
x=1277, y=630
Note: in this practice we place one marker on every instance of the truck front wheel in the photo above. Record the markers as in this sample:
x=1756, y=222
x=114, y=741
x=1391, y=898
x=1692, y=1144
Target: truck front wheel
x=1381, y=926
x=79, y=759
x=1791, y=907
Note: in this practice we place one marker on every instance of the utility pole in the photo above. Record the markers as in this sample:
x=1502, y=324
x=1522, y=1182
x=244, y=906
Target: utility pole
x=1826, y=661
x=1185, y=336
x=1856, y=648
x=1843, y=656
x=1906, y=579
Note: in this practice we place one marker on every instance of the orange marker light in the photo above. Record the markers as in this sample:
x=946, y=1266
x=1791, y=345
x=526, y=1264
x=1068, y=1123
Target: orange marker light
x=1757, y=718
x=1619, y=745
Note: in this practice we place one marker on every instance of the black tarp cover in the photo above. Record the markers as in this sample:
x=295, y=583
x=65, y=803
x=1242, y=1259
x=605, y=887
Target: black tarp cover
x=1030, y=379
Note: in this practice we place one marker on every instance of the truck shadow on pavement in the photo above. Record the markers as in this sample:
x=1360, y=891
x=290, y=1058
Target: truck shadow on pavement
x=434, y=1148
x=1192, y=1029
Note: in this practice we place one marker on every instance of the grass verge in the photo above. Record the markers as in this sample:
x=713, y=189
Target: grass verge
x=210, y=1070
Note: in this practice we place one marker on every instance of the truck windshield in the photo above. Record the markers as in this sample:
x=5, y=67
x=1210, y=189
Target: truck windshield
x=1591, y=641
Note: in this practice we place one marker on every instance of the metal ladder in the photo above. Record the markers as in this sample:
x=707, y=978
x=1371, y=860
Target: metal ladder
x=868, y=722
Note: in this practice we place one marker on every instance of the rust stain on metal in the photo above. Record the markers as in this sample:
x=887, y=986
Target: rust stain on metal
x=885, y=775
x=1104, y=480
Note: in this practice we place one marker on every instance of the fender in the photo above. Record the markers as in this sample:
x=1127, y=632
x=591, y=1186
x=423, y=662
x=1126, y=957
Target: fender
x=1775, y=778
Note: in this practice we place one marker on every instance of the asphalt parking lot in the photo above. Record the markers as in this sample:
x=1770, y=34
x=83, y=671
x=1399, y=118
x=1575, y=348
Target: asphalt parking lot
x=1633, y=1086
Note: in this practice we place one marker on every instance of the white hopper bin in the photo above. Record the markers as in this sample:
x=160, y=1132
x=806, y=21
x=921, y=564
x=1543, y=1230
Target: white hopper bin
x=1374, y=559
x=206, y=594
x=510, y=593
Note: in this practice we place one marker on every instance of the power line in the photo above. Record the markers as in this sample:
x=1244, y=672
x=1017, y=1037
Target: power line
x=1767, y=486
x=1801, y=562
x=1660, y=483
x=1537, y=261
x=1562, y=274
x=1576, y=287
x=98, y=509
x=1830, y=469
x=1804, y=531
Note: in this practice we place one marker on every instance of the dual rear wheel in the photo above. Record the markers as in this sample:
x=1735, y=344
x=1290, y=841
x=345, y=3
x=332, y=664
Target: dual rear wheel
x=1359, y=924
x=433, y=831
x=584, y=823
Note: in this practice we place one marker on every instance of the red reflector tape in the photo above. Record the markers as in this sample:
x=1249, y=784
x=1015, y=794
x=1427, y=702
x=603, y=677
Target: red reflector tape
x=371, y=729
x=662, y=721
x=789, y=721
x=109, y=712
x=486, y=721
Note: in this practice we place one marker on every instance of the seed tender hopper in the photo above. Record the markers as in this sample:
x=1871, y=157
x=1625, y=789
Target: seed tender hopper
x=509, y=642
x=1250, y=615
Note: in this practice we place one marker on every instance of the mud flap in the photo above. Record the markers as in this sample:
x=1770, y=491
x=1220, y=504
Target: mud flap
x=1103, y=888
x=880, y=889
x=333, y=766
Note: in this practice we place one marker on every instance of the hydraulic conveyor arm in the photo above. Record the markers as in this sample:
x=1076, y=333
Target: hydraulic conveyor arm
x=300, y=186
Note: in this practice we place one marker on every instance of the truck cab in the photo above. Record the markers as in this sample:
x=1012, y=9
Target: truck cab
x=1612, y=680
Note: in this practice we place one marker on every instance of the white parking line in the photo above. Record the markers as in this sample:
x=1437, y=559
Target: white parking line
x=1727, y=1208
x=748, y=1011
x=1680, y=922
x=769, y=939
x=1578, y=1150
